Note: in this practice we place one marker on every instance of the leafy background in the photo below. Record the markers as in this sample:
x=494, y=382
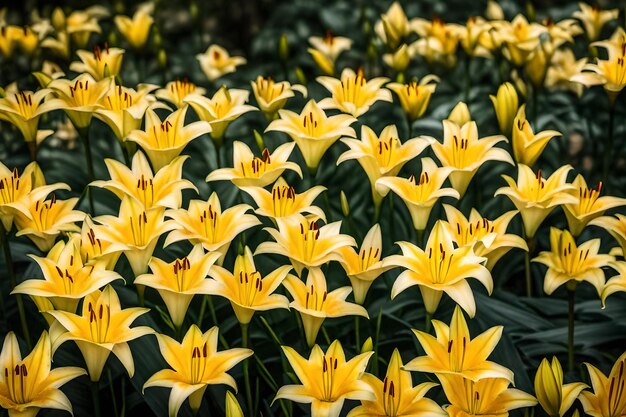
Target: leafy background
x=533, y=327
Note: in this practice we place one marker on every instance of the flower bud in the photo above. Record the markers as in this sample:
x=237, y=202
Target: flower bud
x=460, y=114
x=233, y=409
x=345, y=206
x=283, y=48
x=258, y=138
x=368, y=345
x=505, y=104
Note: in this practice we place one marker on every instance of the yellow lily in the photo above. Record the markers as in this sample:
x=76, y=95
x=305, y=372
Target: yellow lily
x=305, y=243
x=216, y=62
x=593, y=19
x=528, y=146
x=327, y=379
x=17, y=191
x=196, y=364
x=393, y=26
x=177, y=91
x=486, y=397
x=28, y=384
x=135, y=231
x=220, y=110
x=535, y=197
x=505, y=103
x=615, y=284
x=382, y=156
x=460, y=114
x=251, y=171
x=521, y=39
x=137, y=29
x=352, y=93
x=470, y=35
x=67, y=279
x=464, y=152
x=607, y=398
x=165, y=140
x=589, y=205
x=325, y=50
x=454, y=352
x=178, y=281
x=80, y=24
x=616, y=226
x=246, y=289
x=138, y=182
x=313, y=131
x=272, y=96
x=398, y=60
x=315, y=304
x=123, y=108
x=571, y=264
x=555, y=397
x=46, y=219
x=283, y=201
x=364, y=266
x=232, y=407
x=205, y=222
x=100, y=64
x=396, y=396
x=23, y=109
x=438, y=41
x=419, y=195
x=94, y=247
x=440, y=268
x=488, y=238
x=102, y=328
x=563, y=67
x=79, y=97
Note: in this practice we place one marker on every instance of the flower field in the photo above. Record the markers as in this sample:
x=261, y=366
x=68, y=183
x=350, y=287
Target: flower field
x=325, y=208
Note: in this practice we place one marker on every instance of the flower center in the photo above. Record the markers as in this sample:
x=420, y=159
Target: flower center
x=250, y=284
x=314, y=299
x=439, y=264
x=329, y=366
x=181, y=266
x=181, y=89
x=283, y=198
x=616, y=396
x=119, y=100
x=17, y=384
x=352, y=89
x=139, y=229
x=9, y=187
x=573, y=262
x=456, y=354
x=391, y=398
x=198, y=363
x=473, y=231
x=96, y=245
x=145, y=188
x=368, y=257
x=80, y=93
x=99, y=322
x=309, y=123
x=459, y=151
x=24, y=101
x=385, y=151
x=310, y=234
x=258, y=166
x=587, y=198
x=166, y=136
x=209, y=223
x=42, y=213
x=422, y=188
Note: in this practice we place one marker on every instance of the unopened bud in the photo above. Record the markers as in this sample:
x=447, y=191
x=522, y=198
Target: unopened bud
x=283, y=48
x=258, y=138
x=345, y=206
x=368, y=345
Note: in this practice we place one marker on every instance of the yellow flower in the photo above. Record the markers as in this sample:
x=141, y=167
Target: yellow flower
x=593, y=19
x=440, y=268
x=488, y=238
x=364, y=266
x=555, y=397
x=589, y=205
x=23, y=109
x=177, y=91
x=415, y=96
x=178, y=281
x=419, y=195
x=232, y=407
x=135, y=231
x=103, y=327
x=464, y=152
x=315, y=304
x=438, y=41
x=161, y=190
x=305, y=243
x=505, y=103
x=487, y=397
x=470, y=35
x=205, y=222
x=352, y=93
x=382, y=156
x=251, y=171
x=528, y=146
x=563, y=67
x=219, y=111
x=46, y=219
x=216, y=62
x=521, y=39
x=396, y=396
x=570, y=264
x=28, y=383
x=137, y=29
x=272, y=96
x=615, y=284
x=393, y=26
x=67, y=278
x=165, y=140
x=123, y=108
x=460, y=114
x=327, y=379
x=399, y=60
x=94, y=247
x=80, y=97
x=535, y=197
x=80, y=24
x=100, y=64
x=246, y=289
x=326, y=50
x=616, y=226
x=607, y=398
x=283, y=201
x=17, y=191
x=196, y=364
x=610, y=73
x=313, y=131
x=454, y=352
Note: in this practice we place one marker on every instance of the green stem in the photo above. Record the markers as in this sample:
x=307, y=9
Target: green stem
x=95, y=396
x=466, y=87
x=608, y=151
x=113, y=401
x=246, y=371
x=12, y=283
x=427, y=322
x=357, y=333
x=529, y=283
x=570, y=328
x=420, y=238
x=84, y=134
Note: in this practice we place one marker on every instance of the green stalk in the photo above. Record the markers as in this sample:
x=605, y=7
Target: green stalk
x=466, y=87
x=608, y=151
x=12, y=283
x=570, y=328
x=246, y=371
x=531, y=244
x=84, y=134
x=95, y=396
x=357, y=333
x=427, y=322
